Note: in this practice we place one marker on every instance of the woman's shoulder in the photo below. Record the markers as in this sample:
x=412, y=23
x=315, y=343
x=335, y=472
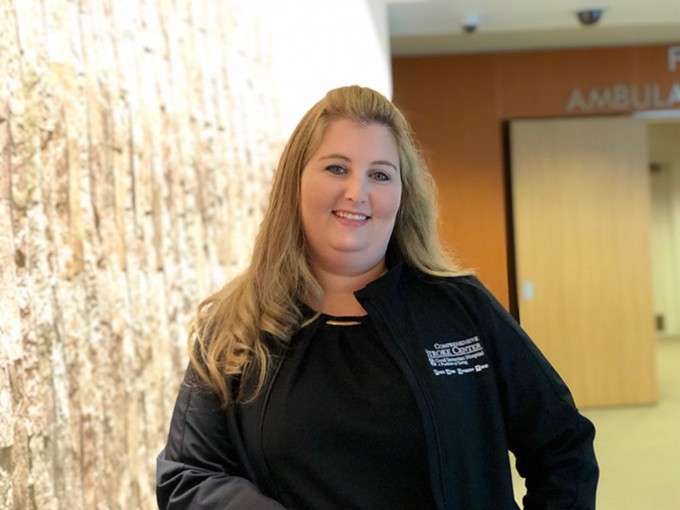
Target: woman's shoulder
x=462, y=286
x=464, y=279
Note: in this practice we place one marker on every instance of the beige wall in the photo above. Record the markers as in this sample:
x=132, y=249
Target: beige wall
x=137, y=144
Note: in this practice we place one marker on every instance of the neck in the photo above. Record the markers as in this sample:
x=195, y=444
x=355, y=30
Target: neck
x=339, y=288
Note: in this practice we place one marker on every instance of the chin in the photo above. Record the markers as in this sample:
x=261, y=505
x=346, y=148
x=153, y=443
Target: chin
x=356, y=262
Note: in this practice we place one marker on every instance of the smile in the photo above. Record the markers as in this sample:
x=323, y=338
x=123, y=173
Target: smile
x=351, y=216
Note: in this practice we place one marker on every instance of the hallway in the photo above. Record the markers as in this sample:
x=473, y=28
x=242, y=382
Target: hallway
x=638, y=448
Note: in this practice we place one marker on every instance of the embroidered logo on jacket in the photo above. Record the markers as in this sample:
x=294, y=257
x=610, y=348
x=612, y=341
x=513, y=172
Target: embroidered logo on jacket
x=457, y=358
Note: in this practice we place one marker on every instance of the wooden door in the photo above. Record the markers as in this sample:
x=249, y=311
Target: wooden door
x=581, y=214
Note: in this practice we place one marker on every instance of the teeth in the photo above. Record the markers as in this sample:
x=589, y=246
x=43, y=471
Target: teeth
x=350, y=216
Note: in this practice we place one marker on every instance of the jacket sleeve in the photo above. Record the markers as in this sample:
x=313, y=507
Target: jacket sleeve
x=198, y=468
x=551, y=440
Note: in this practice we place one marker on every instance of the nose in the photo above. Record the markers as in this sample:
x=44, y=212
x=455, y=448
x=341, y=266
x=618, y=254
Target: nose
x=357, y=189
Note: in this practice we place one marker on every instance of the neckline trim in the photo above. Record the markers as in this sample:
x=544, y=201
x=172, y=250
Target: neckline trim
x=335, y=322
x=343, y=320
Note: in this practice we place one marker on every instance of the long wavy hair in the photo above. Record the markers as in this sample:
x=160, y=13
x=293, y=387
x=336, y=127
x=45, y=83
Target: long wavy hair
x=232, y=336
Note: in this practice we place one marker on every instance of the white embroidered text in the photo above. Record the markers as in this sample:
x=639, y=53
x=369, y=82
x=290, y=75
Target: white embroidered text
x=457, y=358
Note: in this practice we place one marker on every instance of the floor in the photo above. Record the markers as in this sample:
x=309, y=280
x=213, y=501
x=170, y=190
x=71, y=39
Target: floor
x=638, y=448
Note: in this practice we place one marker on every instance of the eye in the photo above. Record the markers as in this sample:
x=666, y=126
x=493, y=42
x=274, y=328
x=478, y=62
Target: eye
x=336, y=169
x=379, y=175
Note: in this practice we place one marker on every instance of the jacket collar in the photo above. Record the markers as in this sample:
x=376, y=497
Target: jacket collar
x=385, y=285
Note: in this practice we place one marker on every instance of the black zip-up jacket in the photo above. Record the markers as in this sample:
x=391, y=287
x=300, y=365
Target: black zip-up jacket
x=482, y=388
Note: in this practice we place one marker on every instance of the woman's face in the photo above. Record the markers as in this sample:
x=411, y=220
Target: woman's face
x=349, y=197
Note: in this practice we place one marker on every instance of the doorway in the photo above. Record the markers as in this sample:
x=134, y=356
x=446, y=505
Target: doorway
x=664, y=164
x=636, y=446
x=581, y=212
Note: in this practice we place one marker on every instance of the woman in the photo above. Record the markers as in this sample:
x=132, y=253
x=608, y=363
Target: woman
x=353, y=365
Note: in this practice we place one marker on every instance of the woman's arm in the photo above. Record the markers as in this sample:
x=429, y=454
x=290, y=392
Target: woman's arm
x=199, y=468
x=551, y=440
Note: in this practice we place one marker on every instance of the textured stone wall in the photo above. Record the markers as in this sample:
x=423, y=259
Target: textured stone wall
x=137, y=144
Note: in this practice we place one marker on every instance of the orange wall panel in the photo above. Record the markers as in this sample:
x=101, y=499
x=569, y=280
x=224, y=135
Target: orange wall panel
x=447, y=103
x=533, y=84
x=457, y=105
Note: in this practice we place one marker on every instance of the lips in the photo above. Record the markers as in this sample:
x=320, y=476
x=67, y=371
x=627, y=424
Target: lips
x=351, y=215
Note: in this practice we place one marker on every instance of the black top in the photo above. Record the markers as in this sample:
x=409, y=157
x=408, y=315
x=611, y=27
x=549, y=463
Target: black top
x=331, y=438
x=475, y=404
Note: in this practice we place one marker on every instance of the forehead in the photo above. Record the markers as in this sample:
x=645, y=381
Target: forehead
x=348, y=135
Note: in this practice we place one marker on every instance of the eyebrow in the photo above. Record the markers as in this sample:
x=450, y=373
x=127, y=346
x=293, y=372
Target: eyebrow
x=345, y=158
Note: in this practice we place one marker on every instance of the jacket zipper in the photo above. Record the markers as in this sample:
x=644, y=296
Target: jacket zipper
x=265, y=468
x=426, y=398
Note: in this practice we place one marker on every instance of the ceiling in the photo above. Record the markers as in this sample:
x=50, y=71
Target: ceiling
x=425, y=27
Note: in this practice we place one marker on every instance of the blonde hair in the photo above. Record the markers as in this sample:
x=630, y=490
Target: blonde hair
x=235, y=330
